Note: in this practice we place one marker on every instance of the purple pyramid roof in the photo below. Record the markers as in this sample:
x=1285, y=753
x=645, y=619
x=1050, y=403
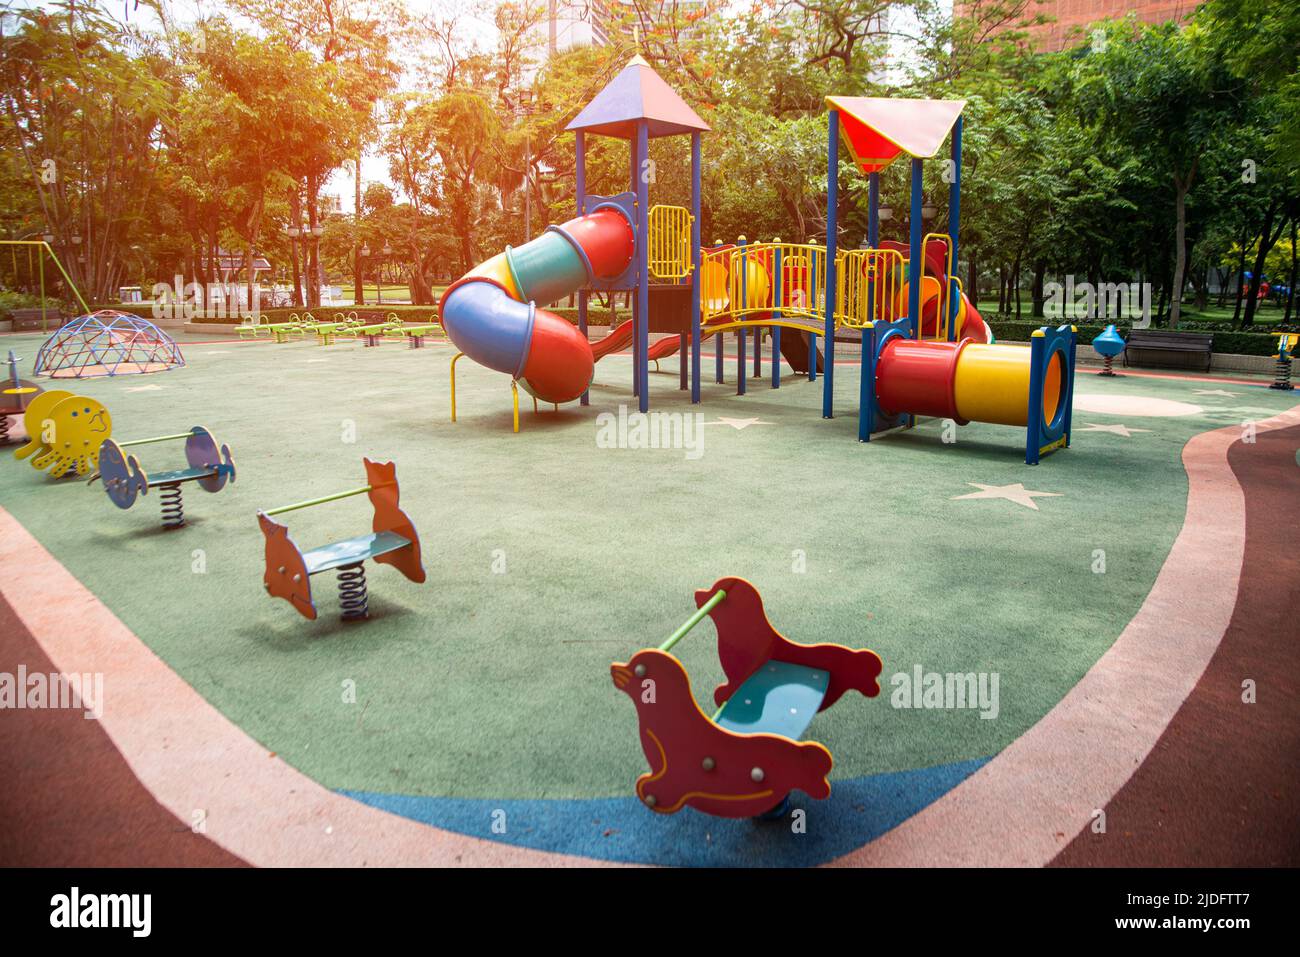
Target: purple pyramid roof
x=638, y=93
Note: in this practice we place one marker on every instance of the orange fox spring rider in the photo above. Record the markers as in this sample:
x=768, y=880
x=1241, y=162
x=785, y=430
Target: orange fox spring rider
x=747, y=758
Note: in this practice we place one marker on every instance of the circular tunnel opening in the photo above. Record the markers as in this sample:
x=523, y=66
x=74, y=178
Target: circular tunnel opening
x=1054, y=386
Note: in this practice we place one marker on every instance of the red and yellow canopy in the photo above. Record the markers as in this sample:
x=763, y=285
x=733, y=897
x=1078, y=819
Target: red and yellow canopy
x=877, y=130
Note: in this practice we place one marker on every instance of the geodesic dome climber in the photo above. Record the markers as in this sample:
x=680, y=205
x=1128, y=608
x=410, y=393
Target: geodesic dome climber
x=106, y=343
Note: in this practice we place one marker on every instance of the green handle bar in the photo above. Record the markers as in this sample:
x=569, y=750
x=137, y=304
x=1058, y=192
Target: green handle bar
x=317, y=501
x=694, y=620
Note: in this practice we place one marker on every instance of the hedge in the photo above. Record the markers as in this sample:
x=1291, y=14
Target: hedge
x=1225, y=343
x=1009, y=330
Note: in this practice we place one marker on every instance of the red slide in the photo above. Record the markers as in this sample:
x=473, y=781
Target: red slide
x=616, y=340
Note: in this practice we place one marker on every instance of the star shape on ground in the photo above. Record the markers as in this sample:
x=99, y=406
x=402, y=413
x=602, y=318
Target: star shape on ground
x=1231, y=395
x=1123, y=430
x=1016, y=492
x=738, y=423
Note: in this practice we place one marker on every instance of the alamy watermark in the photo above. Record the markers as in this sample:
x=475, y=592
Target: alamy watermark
x=947, y=691
x=38, y=690
x=683, y=431
x=216, y=300
x=1106, y=300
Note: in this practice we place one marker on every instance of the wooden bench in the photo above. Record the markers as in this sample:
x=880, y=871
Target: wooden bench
x=1190, y=347
x=29, y=320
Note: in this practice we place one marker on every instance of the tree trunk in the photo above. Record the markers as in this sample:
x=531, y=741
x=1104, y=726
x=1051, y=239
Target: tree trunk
x=1181, y=186
x=1266, y=240
x=1290, y=282
x=1015, y=279
x=1241, y=279
x=313, y=245
x=358, y=287
x=1040, y=270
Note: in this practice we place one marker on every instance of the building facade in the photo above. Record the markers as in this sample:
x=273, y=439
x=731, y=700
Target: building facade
x=1071, y=17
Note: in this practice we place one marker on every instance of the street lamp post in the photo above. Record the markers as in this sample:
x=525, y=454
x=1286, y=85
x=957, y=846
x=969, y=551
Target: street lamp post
x=317, y=232
x=293, y=231
x=379, y=277
x=524, y=111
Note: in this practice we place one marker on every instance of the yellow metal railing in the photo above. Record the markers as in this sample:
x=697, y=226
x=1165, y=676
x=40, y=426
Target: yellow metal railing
x=670, y=242
x=868, y=285
x=941, y=293
x=759, y=278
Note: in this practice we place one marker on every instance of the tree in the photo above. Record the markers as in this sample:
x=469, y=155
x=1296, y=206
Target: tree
x=1151, y=90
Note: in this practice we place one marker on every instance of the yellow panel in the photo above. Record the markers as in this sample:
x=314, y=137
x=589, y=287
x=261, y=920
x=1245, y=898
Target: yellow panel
x=992, y=384
x=497, y=269
x=670, y=242
x=713, y=287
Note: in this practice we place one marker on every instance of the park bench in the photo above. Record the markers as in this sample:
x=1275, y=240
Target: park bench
x=28, y=320
x=1189, y=347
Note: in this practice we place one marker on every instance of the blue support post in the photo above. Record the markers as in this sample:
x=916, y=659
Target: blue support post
x=954, y=224
x=742, y=357
x=777, y=302
x=873, y=210
x=642, y=329
x=867, y=385
x=1069, y=387
x=1034, y=425
x=695, y=267
x=832, y=238
x=867, y=399
x=915, y=254
x=580, y=148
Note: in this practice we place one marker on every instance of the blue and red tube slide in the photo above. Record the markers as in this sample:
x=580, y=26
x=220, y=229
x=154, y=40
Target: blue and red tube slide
x=492, y=313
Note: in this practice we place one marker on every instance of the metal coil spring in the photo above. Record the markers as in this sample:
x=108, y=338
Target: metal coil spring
x=1108, y=365
x=1283, y=378
x=173, y=510
x=352, y=592
x=4, y=430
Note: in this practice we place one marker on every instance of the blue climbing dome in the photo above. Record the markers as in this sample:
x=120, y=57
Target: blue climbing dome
x=107, y=343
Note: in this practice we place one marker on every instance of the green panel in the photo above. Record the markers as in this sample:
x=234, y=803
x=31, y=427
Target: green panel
x=778, y=698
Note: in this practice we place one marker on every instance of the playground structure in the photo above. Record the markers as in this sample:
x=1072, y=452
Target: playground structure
x=64, y=432
x=15, y=396
x=746, y=759
x=1286, y=346
x=107, y=343
x=392, y=541
x=207, y=463
x=37, y=250
x=926, y=350
x=1108, y=343
x=492, y=314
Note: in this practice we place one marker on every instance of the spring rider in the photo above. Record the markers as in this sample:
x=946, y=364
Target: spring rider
x=1109, y=344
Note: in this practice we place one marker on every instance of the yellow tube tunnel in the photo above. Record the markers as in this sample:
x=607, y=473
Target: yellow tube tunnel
x=991, y=384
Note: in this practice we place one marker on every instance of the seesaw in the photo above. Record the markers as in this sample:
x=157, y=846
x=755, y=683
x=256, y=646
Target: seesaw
x=208, y=464
x=64, y=432
x=18, y=392
x=747, y=758
x=392, y=542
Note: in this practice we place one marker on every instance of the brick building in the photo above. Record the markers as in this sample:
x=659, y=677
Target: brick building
x=1072, y=16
